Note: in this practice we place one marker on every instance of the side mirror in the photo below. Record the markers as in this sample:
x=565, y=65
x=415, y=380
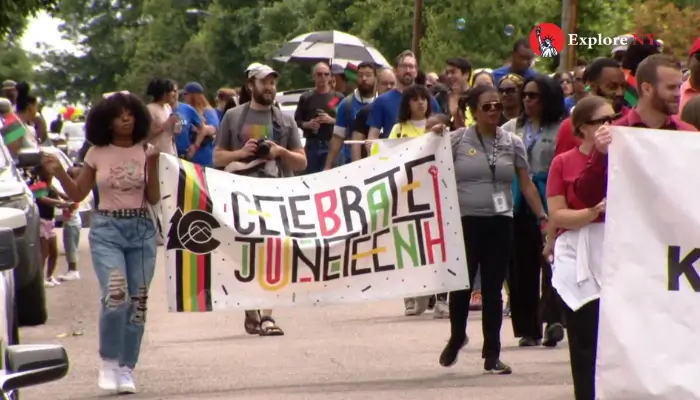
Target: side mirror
x=9, y=258
x=27, y=159
x=30, y=365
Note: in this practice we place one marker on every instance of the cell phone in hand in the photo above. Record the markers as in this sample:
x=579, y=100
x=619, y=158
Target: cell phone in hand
x=320, y=112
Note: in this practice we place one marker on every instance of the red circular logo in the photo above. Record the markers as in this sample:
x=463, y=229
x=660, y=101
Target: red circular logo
x=547, y=40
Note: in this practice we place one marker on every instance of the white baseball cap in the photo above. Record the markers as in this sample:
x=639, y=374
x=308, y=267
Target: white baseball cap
x=262, y=72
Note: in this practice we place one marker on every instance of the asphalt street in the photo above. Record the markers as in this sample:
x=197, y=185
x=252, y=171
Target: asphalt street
x=361, y=351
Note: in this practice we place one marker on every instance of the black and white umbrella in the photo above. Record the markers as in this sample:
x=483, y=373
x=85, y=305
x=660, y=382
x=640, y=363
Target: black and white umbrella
x=334, y=46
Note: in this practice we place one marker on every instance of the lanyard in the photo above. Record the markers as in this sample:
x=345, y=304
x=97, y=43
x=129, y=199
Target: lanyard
x=531, y=138
x=491, y=161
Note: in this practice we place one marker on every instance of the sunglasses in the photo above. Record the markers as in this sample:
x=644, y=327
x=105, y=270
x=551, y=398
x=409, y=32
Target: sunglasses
x=608, y=119
x=531, y=95
x=508, y=91
x=565, y=82
x=578, y=79
x=494, y=105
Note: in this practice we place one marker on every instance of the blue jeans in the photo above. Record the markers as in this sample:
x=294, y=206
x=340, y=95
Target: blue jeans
x=71, y=240
x=124, y=257
x=316, y=155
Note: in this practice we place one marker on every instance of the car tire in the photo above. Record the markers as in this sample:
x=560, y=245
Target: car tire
x=31, y=303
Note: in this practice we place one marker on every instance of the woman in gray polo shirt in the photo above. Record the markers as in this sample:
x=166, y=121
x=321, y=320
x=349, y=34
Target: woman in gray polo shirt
x=486, y=158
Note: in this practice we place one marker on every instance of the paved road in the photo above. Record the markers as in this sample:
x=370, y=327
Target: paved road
x=367, y=351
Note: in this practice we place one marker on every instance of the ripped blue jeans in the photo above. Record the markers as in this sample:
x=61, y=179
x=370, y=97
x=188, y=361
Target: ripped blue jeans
x=124, y=257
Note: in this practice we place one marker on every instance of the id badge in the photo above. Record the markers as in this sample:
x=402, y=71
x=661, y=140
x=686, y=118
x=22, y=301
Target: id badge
x=500, y=202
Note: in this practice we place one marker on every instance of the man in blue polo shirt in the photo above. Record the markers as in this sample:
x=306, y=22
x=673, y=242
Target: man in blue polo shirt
x=520, y=62
x=348, y=109
x=385, y=108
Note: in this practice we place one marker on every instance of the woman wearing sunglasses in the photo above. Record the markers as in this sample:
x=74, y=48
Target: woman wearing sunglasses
x=579, y=245
x=486, y=159
x=510, y=89
x=543, y=112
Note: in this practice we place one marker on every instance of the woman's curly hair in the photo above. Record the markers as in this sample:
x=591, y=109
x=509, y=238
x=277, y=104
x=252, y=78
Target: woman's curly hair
x=98, y=125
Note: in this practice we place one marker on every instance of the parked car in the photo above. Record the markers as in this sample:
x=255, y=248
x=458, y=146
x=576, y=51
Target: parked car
x=28, y=275
x=22, y=366
x=74, y=134
x=290, y=97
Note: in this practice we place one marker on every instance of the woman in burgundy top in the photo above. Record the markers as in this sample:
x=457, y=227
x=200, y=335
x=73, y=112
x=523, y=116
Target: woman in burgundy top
x=579, y=244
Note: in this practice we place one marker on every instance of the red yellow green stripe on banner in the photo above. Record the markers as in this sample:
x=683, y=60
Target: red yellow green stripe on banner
x=39, y=189
x=13, y=129
x=192, y=271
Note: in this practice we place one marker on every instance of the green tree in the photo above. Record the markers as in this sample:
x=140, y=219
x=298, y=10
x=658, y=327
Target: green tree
x=14, y=13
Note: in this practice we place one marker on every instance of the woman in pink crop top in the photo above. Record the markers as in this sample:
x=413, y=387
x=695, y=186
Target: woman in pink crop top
x=122, y=235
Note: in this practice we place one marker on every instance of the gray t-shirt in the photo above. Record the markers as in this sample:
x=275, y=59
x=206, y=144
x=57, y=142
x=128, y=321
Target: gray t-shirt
x=475, y=186
x=234, y=133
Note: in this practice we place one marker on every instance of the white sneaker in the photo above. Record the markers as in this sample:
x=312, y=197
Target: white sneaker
x=441, y=310
x=125, y=381
x=48, y=283
x=70, y=276
x=410, y=305
x=55, y=281
x=108, y=375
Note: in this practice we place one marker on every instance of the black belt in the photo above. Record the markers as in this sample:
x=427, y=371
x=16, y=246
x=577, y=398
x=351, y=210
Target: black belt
x=125, y=213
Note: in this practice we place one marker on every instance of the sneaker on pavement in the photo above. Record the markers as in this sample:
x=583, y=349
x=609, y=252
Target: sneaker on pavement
x=442, y=310
x=410, y=304
x=528, y=342
x=107, y=379
x=70, y=276
x=55, y=281
x=125, y=381
x=449, y=354
x=48, y=283
x=553, y=334
x=496, y=367
x=422, y=304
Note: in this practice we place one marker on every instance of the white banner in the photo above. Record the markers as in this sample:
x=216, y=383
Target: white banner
x=386, y=226
x=650, y=314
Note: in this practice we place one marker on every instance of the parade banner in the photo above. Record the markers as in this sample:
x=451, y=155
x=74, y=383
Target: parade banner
x=649, y=316
x=387, y=226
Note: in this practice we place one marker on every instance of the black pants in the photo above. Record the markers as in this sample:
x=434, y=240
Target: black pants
x=582, y=331
x=489, y=246
x=528, y=312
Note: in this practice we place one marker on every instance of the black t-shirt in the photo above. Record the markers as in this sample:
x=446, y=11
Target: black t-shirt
x=45, y=211
x=361, y=125
x=307, y=109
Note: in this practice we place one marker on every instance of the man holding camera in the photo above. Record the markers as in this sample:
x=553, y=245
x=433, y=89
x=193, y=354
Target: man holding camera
x=257, y=139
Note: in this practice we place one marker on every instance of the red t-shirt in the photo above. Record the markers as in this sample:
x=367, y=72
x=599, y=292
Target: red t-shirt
x=566, y=140
x=563, y=171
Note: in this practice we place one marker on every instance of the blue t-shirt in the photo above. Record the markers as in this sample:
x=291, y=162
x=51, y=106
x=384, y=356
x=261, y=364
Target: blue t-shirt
x=503, y=71
x=385, y=111
x=345, y=128
x=569, y=103
x=204, y=155
x=189, y=117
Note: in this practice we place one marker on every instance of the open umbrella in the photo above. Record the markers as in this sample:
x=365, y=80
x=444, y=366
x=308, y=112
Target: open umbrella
x=339, y=47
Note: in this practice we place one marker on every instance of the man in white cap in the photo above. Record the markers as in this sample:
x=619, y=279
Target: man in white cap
x=257, y=139
x=620, y=46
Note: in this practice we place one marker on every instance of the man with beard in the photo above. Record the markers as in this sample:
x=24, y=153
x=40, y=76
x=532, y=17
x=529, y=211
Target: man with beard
x=458, y=72
x=315, y=114
x=386, y=80
x=349, y=107
x=606, y=79
x=241, y=133
x=385, y=108
x=659, y=80
x=520, y=62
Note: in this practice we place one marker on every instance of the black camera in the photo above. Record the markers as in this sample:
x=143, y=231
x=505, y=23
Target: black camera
x=263, y=149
